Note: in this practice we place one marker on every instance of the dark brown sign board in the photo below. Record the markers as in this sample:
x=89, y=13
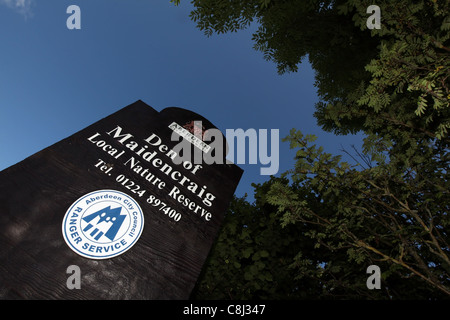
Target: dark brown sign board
x=111, y=201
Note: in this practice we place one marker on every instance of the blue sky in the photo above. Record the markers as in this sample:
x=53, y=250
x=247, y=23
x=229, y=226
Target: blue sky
x=55, y=82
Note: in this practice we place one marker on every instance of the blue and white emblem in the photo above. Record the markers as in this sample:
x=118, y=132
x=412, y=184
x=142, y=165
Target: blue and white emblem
x=103, y=224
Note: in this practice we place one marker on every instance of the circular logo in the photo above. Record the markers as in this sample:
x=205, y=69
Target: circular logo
x=103, y=224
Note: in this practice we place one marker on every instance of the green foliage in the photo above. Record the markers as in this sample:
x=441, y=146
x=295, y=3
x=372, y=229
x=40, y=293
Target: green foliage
x=312, y=232
x=408, y=87
x=395, y=213
x=378, y=81
x=251, y=257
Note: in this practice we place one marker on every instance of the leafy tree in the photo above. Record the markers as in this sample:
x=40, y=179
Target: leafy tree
x=392, y=84
x=251, y=257
x=383, y=214
x=312, y=236
x=256, y=258
x=379, y=81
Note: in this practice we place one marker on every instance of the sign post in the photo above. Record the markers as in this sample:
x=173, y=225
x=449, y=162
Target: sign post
x=123, y=202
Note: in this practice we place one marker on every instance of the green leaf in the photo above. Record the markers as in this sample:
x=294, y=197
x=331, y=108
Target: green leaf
x=264, y=253
x=247, y=252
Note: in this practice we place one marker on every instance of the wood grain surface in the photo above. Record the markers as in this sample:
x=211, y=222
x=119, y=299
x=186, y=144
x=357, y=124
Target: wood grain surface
x=36, y=193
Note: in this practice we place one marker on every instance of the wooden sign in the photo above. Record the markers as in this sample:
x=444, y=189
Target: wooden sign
x=120, y=205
